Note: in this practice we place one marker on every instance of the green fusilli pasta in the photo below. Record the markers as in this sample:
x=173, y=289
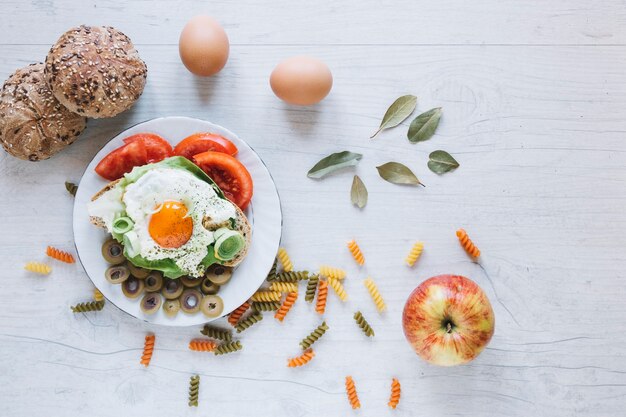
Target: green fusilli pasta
x=314, y=336
x=311, y=288
x=194, y=389
x=248, y=321
x=88, y=306
x=291, y=276
x=215, y=333
x=229, y=347
x=266, y=305
x=363, y=324
x=272, y=273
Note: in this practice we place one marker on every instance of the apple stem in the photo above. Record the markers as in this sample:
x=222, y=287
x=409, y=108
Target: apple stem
x=449, y=327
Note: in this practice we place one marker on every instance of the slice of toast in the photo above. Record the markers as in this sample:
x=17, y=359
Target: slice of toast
x=242, y=225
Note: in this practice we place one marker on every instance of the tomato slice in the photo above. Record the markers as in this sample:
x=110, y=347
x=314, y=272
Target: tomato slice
x=122, y=160
x=229, y=174
x=202, y=142
x=157, y=148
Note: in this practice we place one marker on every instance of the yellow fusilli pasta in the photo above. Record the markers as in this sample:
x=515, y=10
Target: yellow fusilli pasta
x=284, y=259
x=414, y=254
x=38, y=268
x=336, y=285
x=375, y=294
x=330, y=272
x=266, y=296
x=284, y=286
x=97, y=295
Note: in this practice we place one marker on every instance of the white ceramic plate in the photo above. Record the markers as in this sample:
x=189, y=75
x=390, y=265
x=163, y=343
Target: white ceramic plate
x=264, y=213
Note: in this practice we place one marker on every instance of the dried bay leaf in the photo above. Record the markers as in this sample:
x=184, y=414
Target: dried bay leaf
x=441, y=162
x=423, y=126
x=397, y=173
x=71, y=187
x=358, y=193
x=397, y=112
x=334, y=162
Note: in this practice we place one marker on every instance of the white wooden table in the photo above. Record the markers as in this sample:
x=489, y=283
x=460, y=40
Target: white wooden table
x=534, y=98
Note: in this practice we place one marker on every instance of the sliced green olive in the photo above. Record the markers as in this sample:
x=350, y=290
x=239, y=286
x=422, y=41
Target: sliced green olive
x=208, y=287
x=212, y=306
x=132, y=287
x=171, y=307
x=190, y=301
x=219, y=274
x=138, y=272
x=172, y=288
x=117, y=274
x=151, y=302
x=113, y=252
x=154, y=281
x=191, y=282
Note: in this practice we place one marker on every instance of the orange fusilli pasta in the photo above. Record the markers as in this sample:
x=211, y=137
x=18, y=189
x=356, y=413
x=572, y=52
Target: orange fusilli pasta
x=201, y=345
x=234, y=317
x=394, y=399
x=356, y=252
x=302, y=359
x=148, y=348
x=286, y=306
x=467, y=243
x=322, y=295
x=60, y=255
x=353, y=397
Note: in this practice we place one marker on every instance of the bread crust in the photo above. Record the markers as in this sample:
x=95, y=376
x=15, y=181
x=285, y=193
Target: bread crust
x=34, y=125
x=95, y=71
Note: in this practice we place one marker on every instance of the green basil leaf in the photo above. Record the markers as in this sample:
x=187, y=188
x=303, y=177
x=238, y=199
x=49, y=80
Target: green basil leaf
x=397, y=112
x=423, y=126
x=441, y=162
x=71, y=187
x=334, y=162
x=358, y=193
x=396, y=173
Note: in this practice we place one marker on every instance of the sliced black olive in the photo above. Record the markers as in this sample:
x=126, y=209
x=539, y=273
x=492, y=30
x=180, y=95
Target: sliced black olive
x=190, y=301
x=154, y=281
x=132, y=287
x=117, y=274
x=151, y=302
x=138, y=272
x=219, y=274
x=212, y=306
x=171, y=307
x=172, y=288
x=113, y=252
x=208, y=287
x=191, y=282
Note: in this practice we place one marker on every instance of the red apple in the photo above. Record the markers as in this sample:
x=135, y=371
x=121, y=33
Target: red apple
x=448, y=320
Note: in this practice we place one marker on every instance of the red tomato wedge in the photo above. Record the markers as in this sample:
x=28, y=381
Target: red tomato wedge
x=122, y=160
x=157, y=148
x=202, y=142
x=229, y=174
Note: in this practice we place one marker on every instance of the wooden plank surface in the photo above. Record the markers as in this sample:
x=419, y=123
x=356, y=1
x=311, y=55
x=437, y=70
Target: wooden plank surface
x=538, y=131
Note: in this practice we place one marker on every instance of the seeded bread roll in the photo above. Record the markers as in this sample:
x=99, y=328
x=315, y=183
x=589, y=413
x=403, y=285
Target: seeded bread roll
x=33, y=124
x=95, y=71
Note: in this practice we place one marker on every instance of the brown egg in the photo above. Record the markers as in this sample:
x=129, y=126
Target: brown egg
x=301, y=80
x=203, y=46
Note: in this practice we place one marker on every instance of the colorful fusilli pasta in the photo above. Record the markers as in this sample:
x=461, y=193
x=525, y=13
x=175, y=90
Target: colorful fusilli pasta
x=272, y=273
x=97, y=295
x=38, y=268
x=302, y=359
x=355, y=250
x=314, y=335
x=215, y=333
x=234, y=317
x=353, y=397
x=311, y=288
x=330, y=272
x=467, y=243
x=284, y=259
x=60, y=255
x=394, y=398
x=291, y=276
x=322, y=295
x=363, y=324
x=87, y=306
x=375, y=294
x=286, y=306
x=336, y=285
x=148, y=349
x=249, y=321
x=263, y=295
x=229, y=347
x=266, y=305
x=200, y=345
x=284, y=286
x=414, y=254
x=194, y=390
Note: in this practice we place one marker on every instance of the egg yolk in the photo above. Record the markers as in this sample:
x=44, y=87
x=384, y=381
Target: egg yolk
x=169, y=227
